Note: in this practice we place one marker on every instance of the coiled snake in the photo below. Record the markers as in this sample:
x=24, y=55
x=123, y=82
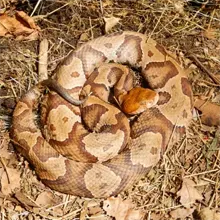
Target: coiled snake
x=104, y=153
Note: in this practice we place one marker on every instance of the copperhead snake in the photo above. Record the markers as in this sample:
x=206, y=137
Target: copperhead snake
x=106, y=152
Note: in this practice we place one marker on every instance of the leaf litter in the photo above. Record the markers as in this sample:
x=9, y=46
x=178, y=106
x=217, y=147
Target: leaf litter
x=19, y=25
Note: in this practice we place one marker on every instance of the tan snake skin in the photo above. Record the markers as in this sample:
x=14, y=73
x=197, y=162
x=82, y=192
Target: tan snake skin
x=73, y=157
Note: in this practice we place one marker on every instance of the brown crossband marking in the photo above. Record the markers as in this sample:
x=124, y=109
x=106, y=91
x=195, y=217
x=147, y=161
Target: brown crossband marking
x=156, y=123
x=187, y=90
x=83, y=54
x=159, y=73
x=125, y=50
x=164, y=97
x=42, y=150
x=65, y=182
x=93, y=113
x=161, y=49
x=73, y=147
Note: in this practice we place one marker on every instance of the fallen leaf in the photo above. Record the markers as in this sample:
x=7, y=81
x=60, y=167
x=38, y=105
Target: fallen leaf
x=84, y=37
x=94, y=208
x=211, y=33
x=188, y=193
x=181, y=213
x=107, y=3
x=216, y=98
x=122, y=209
x=25, y=200
x=179, y=6
x=21, y=26
x=46, y=199
x=4, y=141
x=110, y=23
x=210, y=112
x=208, y=214
x=156, y=216
x=10, y=180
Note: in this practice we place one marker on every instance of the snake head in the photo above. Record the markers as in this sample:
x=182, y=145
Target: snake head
x=138, y=100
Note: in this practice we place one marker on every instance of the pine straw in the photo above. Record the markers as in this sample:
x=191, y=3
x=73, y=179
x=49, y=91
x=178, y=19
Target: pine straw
x=182, y=29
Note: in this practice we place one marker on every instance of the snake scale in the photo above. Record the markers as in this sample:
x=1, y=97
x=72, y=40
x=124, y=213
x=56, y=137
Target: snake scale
x=105, y=152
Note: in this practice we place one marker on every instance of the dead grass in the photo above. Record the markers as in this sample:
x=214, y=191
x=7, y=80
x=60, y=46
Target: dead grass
x=183, y=28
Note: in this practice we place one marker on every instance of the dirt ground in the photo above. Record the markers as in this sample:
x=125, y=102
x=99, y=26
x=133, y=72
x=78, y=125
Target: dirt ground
x=190, y=171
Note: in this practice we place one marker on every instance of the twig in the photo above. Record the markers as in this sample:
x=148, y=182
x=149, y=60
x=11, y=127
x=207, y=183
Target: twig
x=201, y=66
x=202, y=173
x=50, y=13
x=36, y=6
x=209, y=83
x=62, y=40
x=42, y=64
x=5, y=168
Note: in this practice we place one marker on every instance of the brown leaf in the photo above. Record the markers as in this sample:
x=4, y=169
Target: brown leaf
x=5, y=153
x=211, y=33
x=156, y=216
x=25, y=200
x=110, y=23
x=10, y=180
x=181, y=213
x=179, y=6
x=188, y=193
x=122, y=210
x=107, y=3
x=4, y=147
x=21, y=26
x=94, y=208
x=210, y=112
x=46, y=199
x=208, y=214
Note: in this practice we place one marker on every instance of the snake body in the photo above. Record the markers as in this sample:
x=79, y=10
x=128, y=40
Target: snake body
x=70, y=155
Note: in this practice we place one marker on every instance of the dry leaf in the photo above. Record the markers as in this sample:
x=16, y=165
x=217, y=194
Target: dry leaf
x=46, y=199
x=25, y=200
x=179, y=6
x=156, y=216
x=21, y=26
x=216, y=98
x=110, y=23
x=107, y=3
x=208, y=214
x=4, y=148
x=181, y=213
x=10, y=180
x=210, y=112
x=122, y=210
x=210, y=33
x=84, y=37
x=188, y=193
